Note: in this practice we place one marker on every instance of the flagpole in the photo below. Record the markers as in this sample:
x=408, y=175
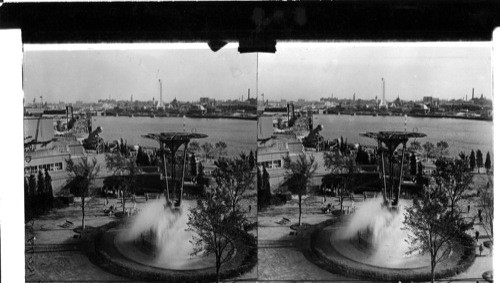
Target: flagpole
x=257, y=78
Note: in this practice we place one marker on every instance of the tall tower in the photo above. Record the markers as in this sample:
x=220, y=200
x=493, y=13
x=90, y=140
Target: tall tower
x=257, y=82
x=161, y=95
x=383, y=93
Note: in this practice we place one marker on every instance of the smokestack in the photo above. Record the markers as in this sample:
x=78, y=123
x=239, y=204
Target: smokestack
x=248, y=94
x=472, y=93
x=161, y=98
x=288, y=111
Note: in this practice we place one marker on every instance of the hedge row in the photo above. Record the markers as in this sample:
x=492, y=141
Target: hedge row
x=102, y=252
x=461, y=260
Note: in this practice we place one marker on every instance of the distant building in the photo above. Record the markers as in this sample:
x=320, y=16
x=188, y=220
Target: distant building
x=431, y=101
x=427, y=100
x=420, y=108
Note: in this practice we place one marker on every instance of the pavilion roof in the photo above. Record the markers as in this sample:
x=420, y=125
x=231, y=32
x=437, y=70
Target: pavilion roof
x=392, y=135
x=174, y=136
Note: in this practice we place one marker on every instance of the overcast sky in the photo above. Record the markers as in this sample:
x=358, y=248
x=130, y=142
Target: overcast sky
x=311, y=72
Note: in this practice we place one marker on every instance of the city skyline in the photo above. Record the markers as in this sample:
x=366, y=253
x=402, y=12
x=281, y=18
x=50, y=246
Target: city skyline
x=303, y=71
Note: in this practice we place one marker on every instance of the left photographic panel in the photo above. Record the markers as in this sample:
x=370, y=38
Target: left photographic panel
x=139, y=163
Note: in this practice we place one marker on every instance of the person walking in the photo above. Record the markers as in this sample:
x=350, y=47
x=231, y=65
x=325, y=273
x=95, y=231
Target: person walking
x=481, y=249
x=468, y=208
x=477, y=235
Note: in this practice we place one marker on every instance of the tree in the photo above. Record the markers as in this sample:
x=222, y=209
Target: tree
x=472, y=160
x=487, y=205
x=221, y=146
x=462, y=155
x=192, y=165
x=479, y=159
x=264, y=188
x=487, y=163
x=432, y=227
x=142, y=158
x=208, y=149
x=216, y=226
x=260, y=197
x=236, y=176
x=27, y=200
x=344, y=166
x=126, y=170
x=298, y=175
x=362, y=156
x=429, y=149
x=413, y=164
x=442, y=147
x=32, y=196
x=251, y=160
x=454, y=179
x=194, y=147
x=81, y=177
x=415, y=146
x=32, y=188
x=40, y=192
x=48, y=190
x=201, y=174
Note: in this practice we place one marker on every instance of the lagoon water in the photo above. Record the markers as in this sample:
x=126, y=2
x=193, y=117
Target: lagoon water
x=240, y=135
x=461, y=134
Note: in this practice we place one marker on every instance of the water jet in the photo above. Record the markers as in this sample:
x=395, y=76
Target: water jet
x=371, y=242
x=155, y=243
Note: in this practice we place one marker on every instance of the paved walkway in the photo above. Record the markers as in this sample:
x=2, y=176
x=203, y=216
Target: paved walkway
x=280, y=260
x=56, y=256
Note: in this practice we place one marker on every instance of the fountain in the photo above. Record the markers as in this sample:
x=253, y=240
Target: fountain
x=155, y=243
x=371, y=242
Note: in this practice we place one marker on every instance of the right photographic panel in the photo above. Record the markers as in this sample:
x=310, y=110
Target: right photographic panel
x=375, y=162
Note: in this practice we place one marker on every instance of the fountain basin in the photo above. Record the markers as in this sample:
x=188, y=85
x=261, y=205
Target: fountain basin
x=144, y=252
x=103, y=252
x=319, y=245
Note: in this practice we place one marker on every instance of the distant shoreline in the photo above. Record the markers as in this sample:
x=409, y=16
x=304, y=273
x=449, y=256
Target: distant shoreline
x=412, y=115
x=187, y=116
